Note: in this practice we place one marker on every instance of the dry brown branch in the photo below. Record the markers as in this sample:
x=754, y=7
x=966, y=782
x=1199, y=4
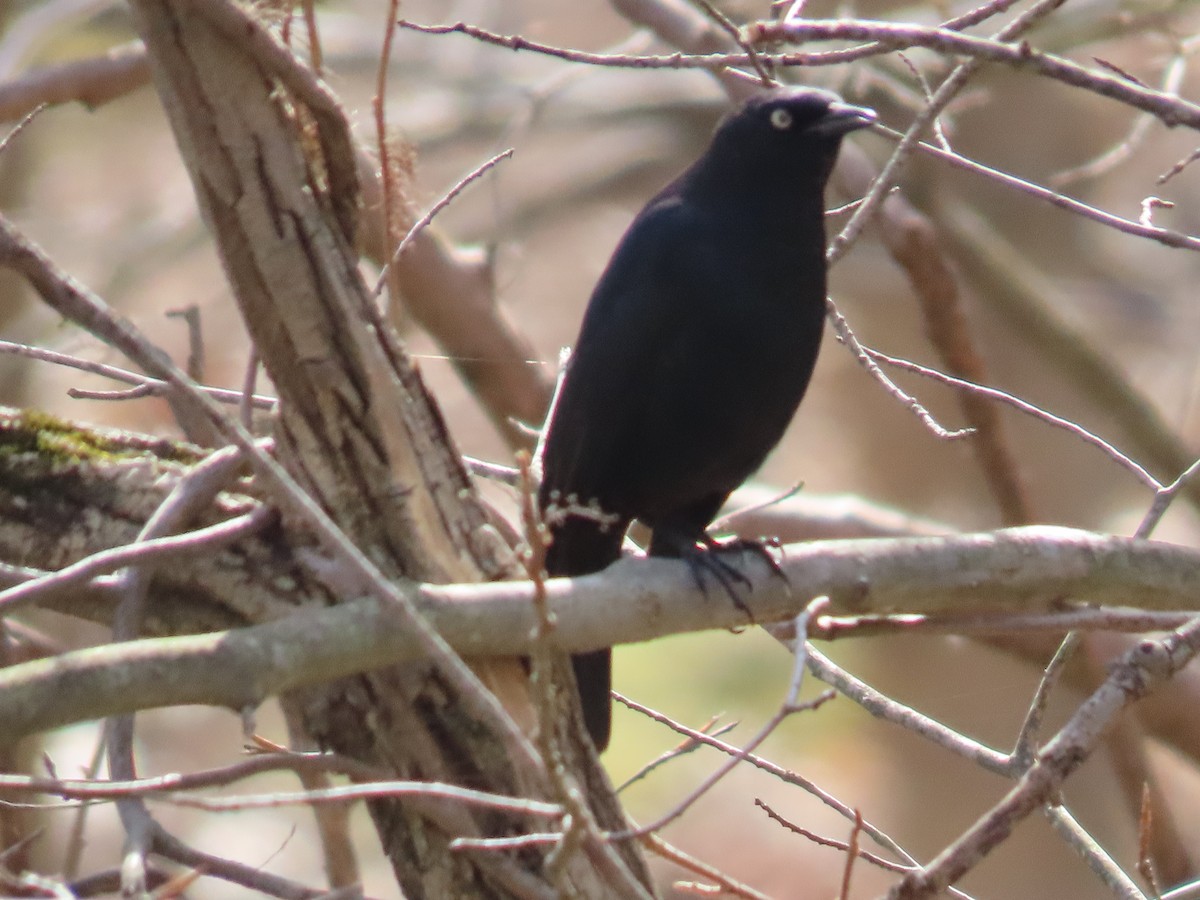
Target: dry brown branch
x=92, y=82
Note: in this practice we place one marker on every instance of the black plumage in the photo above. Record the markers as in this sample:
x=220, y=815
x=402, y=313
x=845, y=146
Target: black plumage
x=696, y=348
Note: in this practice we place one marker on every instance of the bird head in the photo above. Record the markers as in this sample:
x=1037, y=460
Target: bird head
x=801, y=118
x=776, y=137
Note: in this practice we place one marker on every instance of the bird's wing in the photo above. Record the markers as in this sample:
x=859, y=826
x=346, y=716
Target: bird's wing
x=631, y=319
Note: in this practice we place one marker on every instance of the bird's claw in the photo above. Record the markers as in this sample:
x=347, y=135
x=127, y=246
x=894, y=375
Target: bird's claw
x=709, y=559
x=760, y=548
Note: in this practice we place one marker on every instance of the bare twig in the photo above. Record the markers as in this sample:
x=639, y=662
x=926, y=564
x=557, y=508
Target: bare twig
x=424, y=221
x=887, y=36
x=21, y=126
x=155, y=387
x=1026, y=300
x=1100, y=862
x=852, y=855
x=725, y=883
x=1136, y=621
x=1125, y=148
x=1025, y=745
x=388, y=171
x=1029, y=409
x=682, y=749
x=883, y=707
x=1143, y=668
x=842, y=329
x=1163, y=498
x=789, y=706
x=871, y=858
x=785, y=775
x=1163, y=236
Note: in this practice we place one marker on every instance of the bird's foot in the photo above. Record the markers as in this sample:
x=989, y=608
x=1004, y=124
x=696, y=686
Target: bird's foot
x=705, y=561
x=761, y=548
x=710, y=557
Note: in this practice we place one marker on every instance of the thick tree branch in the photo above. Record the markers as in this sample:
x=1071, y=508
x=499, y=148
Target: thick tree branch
x=1015, y=570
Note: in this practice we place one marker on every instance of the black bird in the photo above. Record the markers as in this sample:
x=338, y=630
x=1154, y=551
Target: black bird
x=696, y=348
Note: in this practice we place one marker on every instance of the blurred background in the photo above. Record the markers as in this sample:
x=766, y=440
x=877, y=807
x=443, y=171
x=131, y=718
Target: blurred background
x=104, y=193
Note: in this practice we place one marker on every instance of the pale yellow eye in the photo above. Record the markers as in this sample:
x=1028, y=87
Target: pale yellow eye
x=781, y=119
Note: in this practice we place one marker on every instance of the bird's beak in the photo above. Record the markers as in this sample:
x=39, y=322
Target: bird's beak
x=843, y=118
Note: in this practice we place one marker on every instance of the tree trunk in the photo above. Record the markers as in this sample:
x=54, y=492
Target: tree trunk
x=272, y=162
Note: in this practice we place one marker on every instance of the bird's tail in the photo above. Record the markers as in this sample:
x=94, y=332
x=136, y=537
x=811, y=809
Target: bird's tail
x=580, y=547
